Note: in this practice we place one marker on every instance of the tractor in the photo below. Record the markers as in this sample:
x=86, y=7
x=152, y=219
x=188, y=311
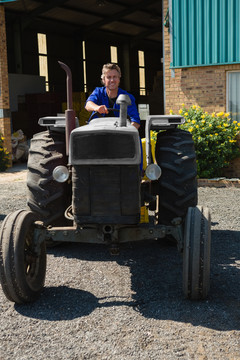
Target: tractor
x=86, y=184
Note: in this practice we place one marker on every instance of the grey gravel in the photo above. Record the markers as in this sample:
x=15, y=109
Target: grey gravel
x=95, y=306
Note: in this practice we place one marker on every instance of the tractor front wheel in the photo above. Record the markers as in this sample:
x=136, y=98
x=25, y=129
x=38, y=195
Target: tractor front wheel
x=196, y=253
x=22, y=265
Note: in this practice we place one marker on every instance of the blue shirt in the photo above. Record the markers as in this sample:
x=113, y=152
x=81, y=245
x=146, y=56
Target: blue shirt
x=99, y=96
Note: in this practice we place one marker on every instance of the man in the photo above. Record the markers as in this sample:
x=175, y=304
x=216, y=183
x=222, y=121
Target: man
x=105, y=97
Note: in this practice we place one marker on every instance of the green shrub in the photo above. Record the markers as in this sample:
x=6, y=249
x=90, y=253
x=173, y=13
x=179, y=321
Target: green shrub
x=214, y=137
x=4, y=155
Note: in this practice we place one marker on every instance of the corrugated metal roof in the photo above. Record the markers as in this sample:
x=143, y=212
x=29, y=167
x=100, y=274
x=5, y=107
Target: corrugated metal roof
x=205, y=32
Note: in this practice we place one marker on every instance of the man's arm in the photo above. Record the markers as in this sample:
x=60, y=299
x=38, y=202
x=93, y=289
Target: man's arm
x=135, y=124
x=133, y=114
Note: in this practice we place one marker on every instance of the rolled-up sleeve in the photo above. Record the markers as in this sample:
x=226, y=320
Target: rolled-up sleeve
x=97, y=97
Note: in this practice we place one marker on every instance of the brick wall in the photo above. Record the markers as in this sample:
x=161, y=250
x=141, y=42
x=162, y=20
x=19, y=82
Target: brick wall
x=204, y=86
x=5, y=123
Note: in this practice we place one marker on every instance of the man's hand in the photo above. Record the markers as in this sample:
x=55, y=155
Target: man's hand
x=102, y=109
x=91, y=106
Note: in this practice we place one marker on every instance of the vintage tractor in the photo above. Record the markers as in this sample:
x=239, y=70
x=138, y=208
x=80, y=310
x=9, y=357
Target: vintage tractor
x=85, y=184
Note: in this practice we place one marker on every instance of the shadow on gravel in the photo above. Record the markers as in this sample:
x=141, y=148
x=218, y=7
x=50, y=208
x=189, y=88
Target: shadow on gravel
x=65, y=303
x=159, y=293
x=156, y=276
x=60, y=303
x=2, y=217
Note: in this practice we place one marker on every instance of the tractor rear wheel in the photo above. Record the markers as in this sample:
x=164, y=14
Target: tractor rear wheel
x=177, y=186
x=22, y=265
x=46, y=197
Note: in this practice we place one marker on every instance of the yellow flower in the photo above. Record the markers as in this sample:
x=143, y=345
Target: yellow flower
x=2, y=138
x=206, y=113
x=238, y=124
x=213, y=114
x=189, y=121
x=199, y=138
x=194, y=107
x=180, y=111
x=203, y=121
x=234, y=122
x=225, y=125
x=216, y=134
x=232, y=141
x=193, y=121
x=210, y=125
x=203, y=116
x=211, y=135
x=236, y=128
x=197, y=126
x=186, y=114
x=220, y=114
x=226, y=114
x=183, y=104
x=170, y=111
x=190, y=129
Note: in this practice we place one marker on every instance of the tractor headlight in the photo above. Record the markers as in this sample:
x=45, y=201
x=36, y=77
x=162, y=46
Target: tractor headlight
x=60, y=174
x=153, y=172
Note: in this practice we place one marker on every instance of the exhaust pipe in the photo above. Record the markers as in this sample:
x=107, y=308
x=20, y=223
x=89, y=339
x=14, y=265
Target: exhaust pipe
x=124, y=101
x=69, y=113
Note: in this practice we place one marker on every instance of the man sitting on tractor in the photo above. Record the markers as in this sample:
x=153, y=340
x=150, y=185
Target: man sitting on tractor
x=103, y=98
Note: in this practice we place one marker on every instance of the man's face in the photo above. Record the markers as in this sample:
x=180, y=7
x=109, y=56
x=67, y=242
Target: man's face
x=111, y=79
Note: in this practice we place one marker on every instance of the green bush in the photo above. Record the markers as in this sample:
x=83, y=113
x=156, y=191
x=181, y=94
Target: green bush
x=4, y=155
x=214, y=137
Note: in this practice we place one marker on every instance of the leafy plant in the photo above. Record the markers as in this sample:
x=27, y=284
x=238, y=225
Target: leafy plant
x=4, y=155
x=215, y=139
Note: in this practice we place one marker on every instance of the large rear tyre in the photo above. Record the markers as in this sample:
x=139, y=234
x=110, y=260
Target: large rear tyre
x=196, y=253
x=22, y=267
x=177, y=186
x=46, y=197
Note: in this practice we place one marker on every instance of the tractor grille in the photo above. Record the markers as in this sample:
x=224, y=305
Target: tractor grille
x=103, y=146
x=106, y=194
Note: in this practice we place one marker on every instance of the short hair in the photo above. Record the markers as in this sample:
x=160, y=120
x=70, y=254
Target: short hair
x=108, y=67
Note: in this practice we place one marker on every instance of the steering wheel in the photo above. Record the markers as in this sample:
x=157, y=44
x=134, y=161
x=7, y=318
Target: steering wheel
x=100, y=115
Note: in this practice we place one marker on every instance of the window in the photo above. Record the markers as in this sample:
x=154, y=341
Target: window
x=84, y=67
x=42, y=57
x=233, y=94
x=114, y=55
x=141, y=65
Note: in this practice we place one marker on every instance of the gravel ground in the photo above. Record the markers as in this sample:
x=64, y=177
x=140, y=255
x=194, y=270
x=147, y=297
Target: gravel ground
x=95, y=306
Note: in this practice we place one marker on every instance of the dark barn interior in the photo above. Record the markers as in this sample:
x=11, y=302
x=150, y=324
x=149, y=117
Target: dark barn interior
x=81, y=34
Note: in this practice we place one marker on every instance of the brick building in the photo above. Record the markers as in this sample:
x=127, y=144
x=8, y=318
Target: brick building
x=202, y=55
x=202, y=58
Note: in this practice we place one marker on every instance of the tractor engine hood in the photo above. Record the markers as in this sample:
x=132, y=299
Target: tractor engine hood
x=105, y=142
